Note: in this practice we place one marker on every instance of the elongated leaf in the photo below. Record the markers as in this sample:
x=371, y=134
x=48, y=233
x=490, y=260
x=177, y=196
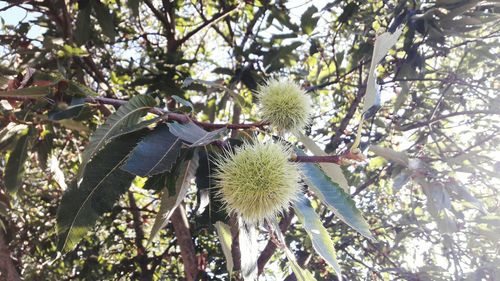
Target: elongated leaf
x=137, y=127
x=300, y=273
x=226, y=242
x=391, y=155
x=333, y=196
x=73, y=110
x=126, y=116
x=102, y=185
x=462, y=193
x=105, y=19
x=194, y=134
x=57, y=173
x=383, y=43
x=184, y=102
x=134, y=7
x=31, y=92
x=78, y=90
x=14, y=169
x=331, y=169
x=83, y=29
x=169, y=202
x=308, y=21
x=247, y=239
x=8, y=133
x=155, y=154
x=439, y=205
x=320, y=238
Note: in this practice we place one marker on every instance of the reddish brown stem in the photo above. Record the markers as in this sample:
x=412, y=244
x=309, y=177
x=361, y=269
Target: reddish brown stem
x=316, y=159
x=183, y=118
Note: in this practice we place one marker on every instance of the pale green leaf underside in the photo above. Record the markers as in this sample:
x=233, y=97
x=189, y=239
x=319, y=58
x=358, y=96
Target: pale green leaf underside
x=225, y=240
x=333, y=196
x=300, y=273
x=320, y=238
x=331, y=169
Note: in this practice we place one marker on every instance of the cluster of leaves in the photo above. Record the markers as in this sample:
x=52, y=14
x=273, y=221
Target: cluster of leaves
x=435, y=139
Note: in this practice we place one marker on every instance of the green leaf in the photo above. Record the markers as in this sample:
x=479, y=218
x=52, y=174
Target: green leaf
x=169, y=202
x=225, y=239
x=320, y=238
x=390, y=154
x=155, y=154
x=461, y=192
x=134, y=7
x=194, y=134
x=333, y=196
x=383, y=43
x=102, y=185
x=83, y=25
x=349, y=10
x=307, y=21
x=284, y=18
x=300, y=273
x=14, y=169
x=71, y=111
x=9, y=132
x=105, y=19
x=184, y=102
x=78, y=90
x=247, y=238
x=126, y=117
x=439, y=205
x=332, y=170
x=31, y=92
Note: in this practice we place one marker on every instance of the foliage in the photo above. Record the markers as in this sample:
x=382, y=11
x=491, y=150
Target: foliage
x=109, y=109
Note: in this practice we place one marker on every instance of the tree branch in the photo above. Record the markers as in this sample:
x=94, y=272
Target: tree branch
x=270, y=248
x=235, y=245
x=141, y=257
x=7, y=267
x=339, y=131
x=185, y=242
x=442, y=117
x=209, y=22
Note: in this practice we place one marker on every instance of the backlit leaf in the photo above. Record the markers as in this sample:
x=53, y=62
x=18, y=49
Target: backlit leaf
x=383, y=43
x=333, y=196
x=308, y=21
x=225, y=240
x=331, y=169
x=320, y=238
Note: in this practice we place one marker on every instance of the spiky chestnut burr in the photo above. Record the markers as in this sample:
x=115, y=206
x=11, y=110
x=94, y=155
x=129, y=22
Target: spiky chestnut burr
x=257, y=181
x=284, y=105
